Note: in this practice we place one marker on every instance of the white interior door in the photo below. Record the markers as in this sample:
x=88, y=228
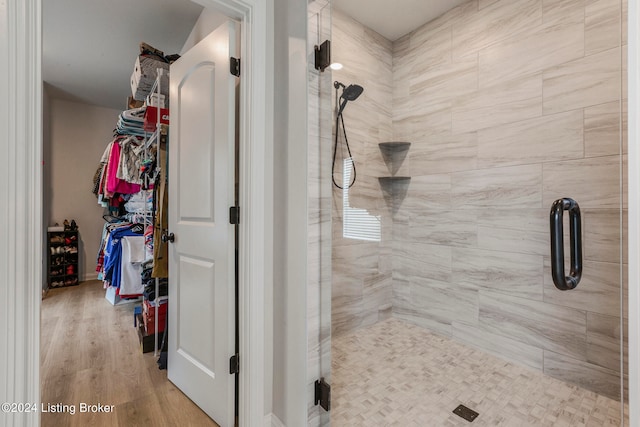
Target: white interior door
x=201, y=258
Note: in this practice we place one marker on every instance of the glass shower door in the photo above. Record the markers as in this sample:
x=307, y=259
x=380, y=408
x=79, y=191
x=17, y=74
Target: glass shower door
x=508, y=106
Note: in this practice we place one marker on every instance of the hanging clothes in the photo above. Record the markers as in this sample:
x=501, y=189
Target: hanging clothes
x=161, y=223
x=113, y=183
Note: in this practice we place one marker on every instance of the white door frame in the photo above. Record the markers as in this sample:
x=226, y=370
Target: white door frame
x=21, y=218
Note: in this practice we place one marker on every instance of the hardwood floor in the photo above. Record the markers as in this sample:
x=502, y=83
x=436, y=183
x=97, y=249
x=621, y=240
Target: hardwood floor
x=90, y=353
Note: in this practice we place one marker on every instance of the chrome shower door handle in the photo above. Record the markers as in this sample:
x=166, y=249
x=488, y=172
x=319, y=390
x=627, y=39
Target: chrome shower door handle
x=558, y=207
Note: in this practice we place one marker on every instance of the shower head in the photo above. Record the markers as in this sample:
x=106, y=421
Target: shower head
x=352, y=92
x=349, y=93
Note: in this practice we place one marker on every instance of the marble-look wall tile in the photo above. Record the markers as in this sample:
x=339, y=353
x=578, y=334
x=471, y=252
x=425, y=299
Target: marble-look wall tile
x=602, y=130
x=376, y=298
x=419, y=260
x=434, y=304
x=429, y=49
x=404, y=308
x=554, y=11
x=428, y=192
x=494, y=23
x=592, y=80
x=442, y=152
x=625, y=70
x=625, y=20
x=498, y=187
x=484, y=3
x=445, y=302
x=542, y=139
x=546, y=326
x=598, y=290
x=443, y=227
x=604, y=335
x=346, y=305
x=498, y=345
x=592, y=182
x=532, y=52
x=439, y=84
x=625, y=121
x=602, y=233
x=602, y=25
x=524, y=231
x=412, y=123
x=625, y=181
x=506, y=102
x=582, y=373
x=362, y=270
x=513, y=274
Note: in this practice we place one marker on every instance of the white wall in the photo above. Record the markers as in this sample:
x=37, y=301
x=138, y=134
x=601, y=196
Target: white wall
x=208, y=21
x=290, y=212
x=78, y=135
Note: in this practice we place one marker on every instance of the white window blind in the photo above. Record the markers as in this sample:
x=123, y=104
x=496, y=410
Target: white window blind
x=356, y=223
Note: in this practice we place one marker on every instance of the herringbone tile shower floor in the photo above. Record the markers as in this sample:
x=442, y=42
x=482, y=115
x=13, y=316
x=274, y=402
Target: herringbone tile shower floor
x=397, y=374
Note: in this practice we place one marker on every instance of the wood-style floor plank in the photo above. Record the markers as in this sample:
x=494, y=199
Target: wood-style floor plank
x=90, y=354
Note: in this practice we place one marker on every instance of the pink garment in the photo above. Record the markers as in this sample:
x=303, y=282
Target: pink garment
x=115, y=185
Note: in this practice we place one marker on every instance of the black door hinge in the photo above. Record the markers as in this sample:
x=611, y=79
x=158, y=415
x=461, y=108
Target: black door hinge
x=323, y=394
x=234, y=364
x=234, y=66
x=234, y=215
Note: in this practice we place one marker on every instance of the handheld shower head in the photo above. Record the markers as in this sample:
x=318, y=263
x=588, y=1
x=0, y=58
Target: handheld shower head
x=352, y=92
x=349, y=93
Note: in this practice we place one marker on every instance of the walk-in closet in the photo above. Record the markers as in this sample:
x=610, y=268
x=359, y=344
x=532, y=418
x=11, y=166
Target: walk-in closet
x=106, y=274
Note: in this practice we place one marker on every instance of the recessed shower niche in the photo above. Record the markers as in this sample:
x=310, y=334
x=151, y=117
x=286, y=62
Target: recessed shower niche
x=394, y=187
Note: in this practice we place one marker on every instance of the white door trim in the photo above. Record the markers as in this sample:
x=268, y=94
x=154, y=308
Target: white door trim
x=21, y=211
x=256, y=195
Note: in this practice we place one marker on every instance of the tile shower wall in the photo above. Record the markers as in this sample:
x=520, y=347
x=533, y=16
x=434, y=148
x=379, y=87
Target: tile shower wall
x=510, y=105
x=362, y=270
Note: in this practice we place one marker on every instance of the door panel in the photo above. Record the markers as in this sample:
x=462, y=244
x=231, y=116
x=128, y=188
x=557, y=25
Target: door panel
x=201, y=261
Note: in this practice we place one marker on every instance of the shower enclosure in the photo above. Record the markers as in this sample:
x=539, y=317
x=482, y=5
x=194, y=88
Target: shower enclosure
x=469, y=129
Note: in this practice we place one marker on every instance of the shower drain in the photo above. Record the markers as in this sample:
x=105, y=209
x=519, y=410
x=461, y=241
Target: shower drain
x=466, y=413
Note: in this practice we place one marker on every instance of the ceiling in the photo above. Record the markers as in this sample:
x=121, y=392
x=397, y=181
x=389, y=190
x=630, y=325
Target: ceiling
x=89, y=47
x=394, y=19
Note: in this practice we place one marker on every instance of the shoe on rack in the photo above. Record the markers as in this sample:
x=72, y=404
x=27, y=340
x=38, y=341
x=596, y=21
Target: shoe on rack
x=67, y=226
x=74, y=226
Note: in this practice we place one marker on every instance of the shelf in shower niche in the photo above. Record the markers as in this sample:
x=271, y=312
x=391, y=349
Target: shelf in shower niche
x=392, y=179
x=395, y=145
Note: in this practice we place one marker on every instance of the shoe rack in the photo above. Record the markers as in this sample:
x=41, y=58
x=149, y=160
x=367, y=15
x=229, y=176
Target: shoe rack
x=62, y=265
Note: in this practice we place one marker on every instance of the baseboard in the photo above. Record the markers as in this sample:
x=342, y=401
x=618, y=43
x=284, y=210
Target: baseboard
x=272, y=420
x=90, y=276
